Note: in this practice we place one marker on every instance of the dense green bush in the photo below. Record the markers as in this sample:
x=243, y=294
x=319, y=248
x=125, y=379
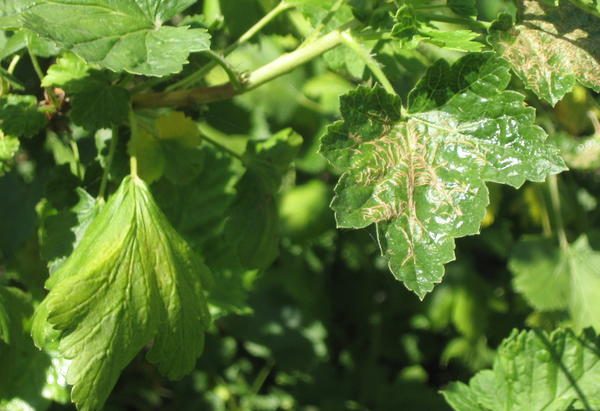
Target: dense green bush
x=305, y=204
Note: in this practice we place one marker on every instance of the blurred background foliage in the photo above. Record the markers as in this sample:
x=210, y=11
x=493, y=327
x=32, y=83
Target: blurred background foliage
x=326, y=327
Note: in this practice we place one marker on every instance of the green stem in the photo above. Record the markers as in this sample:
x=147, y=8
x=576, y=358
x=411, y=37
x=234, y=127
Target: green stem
x=259, y=25
x=75, y=150
x=13, y=64
x=234, y=76
x=262, y=376
x=290, y=61
x=36, y=64
x=282, y=65
x=38, y=70
x=545, y=215
x=133, y=126
x=555, y=198
x=251, y=32
x=371, y=63
x=324, y=21
x=112, y=148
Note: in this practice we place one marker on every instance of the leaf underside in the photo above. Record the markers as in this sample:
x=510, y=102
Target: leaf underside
x=130, y=281
x=421, y=177
x=552, y=49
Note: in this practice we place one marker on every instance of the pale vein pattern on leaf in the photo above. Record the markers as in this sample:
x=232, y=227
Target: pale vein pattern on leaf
x=553, y=48
x=404, y=161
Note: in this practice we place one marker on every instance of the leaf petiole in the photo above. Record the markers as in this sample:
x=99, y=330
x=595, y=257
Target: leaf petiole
x=555, y=198
x=251, y=32
x=133, y=126
x=234, y=77
x=111, y=154
x=368, y=59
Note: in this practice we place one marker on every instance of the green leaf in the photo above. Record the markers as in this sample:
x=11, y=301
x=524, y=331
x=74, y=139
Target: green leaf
x=421, y=177
x=554, y=279
x=121, y=35
x=465, y=8
x=96, y=103
x=4, y=318
x=314, y=10
x=198, y=208
x=168, y=145
x=591, y=6
x=19, y=115
x=131, y=280
x=376, y=13
x=29, y=379
x=253, y=226
x=8, y=148
x=62, y=232
x=533, y=370
x=67, y=68
x=454, y=40
x=552, y=49
x=9, y=13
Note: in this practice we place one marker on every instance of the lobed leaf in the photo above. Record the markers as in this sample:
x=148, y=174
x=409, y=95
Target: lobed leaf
x=168, y=145
x=420, y=177
x=551, y=278
x=253, y=226
x=130, y=281
x=533, y=370
x=19, y=115
x=552, y=48
x=121, y=35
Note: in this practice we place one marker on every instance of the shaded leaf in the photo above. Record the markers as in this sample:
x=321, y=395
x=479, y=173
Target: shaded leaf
x=591, y=6
x=466, y=8
x=8, y=148
x=420, y=177
x=551, y=278
x=19, y=115
x=253, y=226
x=62, y=232
x=98, y=104
x=120, y=35
x=131, y=280
x=29, y=379
x=168, y=145
x=552, y=49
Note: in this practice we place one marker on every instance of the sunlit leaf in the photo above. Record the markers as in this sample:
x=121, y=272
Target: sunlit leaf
x=533, y=370
x=120, y=35
x=130, y=281
x=552, y=49
x=420, y=177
